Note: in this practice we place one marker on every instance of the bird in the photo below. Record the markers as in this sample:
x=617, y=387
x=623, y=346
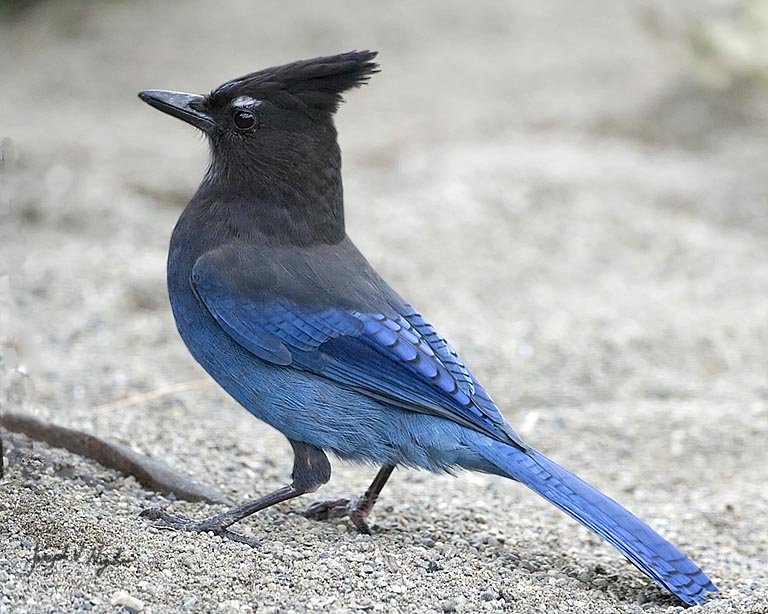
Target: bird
x=276, y=303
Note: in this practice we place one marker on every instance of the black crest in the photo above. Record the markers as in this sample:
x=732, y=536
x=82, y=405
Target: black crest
x=312, y=85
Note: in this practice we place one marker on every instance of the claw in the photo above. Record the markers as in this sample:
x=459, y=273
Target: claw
x=358, y=518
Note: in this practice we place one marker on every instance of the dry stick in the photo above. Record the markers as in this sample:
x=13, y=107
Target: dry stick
x=150, y=473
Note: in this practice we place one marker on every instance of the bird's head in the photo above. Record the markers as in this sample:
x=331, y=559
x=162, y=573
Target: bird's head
x=275, y=123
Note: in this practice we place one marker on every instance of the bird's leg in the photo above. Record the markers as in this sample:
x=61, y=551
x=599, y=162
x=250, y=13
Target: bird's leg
x=356, y=508
x=311, y=470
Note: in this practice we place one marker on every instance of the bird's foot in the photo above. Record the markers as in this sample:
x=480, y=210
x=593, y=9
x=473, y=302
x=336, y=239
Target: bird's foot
x=339, y=508
x=177, y=522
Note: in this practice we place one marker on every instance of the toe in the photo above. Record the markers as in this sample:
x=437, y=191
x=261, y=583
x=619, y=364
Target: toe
x=326, y=510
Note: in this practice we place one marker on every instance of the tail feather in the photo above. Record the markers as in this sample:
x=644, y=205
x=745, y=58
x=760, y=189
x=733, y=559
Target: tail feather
x=650, y=552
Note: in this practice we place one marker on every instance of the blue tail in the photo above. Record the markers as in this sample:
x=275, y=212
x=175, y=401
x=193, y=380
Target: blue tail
x=650, y=552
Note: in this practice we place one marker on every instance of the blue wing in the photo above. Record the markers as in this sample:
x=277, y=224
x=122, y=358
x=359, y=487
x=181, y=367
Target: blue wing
x=395, y=356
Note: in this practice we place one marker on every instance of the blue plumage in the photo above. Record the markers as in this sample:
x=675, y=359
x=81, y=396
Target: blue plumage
x=401, y=360
x=277, y=304
x=382, y=354
x=650, y=552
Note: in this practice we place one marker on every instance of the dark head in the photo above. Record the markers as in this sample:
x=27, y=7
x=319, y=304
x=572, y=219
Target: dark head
x=272, y=135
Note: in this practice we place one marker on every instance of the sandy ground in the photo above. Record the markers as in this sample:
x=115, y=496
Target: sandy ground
x=552, y=183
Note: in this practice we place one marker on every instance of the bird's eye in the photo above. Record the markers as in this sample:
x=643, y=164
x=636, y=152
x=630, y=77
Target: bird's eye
x=244, y=120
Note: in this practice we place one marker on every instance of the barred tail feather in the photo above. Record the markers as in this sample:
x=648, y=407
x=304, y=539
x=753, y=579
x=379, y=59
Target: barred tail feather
x=650, y=552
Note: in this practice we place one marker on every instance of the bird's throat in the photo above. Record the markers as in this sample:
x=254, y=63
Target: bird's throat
x=277, y=207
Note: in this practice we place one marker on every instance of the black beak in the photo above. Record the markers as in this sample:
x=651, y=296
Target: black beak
x=187, y=107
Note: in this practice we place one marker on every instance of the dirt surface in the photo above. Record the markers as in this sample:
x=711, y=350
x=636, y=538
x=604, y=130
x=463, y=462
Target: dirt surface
x=574, y=193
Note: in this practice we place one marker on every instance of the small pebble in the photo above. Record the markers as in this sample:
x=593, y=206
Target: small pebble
x=124, y=599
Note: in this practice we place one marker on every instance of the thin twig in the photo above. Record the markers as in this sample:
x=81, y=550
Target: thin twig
x=159, y=393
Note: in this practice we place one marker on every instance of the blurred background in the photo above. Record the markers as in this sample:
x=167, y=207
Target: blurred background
x=576, y=194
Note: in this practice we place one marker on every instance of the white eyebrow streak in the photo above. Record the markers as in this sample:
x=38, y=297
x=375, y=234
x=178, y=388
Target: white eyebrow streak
x=245, y=101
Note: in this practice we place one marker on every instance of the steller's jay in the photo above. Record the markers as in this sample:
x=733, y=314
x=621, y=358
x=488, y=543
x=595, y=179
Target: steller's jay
x=275, y=302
